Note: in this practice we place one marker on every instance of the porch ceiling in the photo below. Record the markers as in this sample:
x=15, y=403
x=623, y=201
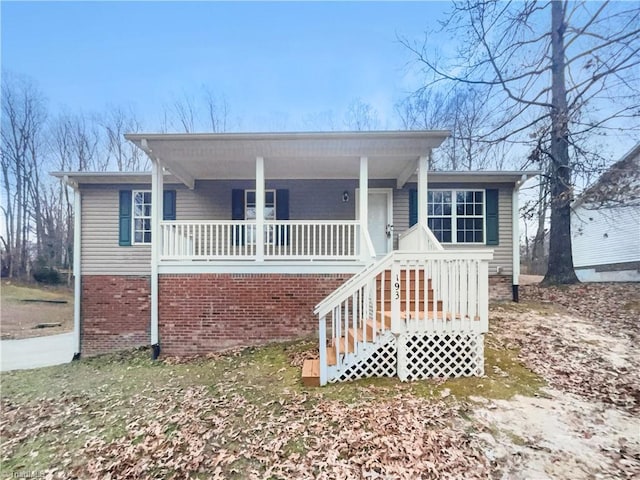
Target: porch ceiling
x=288, y=155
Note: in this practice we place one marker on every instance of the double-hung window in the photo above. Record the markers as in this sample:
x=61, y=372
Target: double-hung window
x=141, y=216
x=269, y=214
x=457, y=216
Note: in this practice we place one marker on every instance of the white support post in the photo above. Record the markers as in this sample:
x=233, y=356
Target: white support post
x=396, y=291
x=157, y=189
x=260, y=198
x=515, y=238
x=77, y=268
x=363, y=204
x=423, y=167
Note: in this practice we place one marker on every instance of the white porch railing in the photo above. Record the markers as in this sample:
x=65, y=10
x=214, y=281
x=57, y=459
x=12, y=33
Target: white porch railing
x=283, y=240
x=460, y=301
x=419, y=238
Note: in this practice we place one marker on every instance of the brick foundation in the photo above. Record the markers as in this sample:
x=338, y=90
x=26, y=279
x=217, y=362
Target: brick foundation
x=500, y=287
x=115, y=313
x=207, y=312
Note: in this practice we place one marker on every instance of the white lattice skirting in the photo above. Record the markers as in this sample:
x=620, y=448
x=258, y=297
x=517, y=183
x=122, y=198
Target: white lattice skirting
x=381, y=362
x=454, y=354
x=415, y=356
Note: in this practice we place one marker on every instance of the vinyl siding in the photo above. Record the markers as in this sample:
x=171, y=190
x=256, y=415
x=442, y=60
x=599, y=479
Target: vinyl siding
x=606, y=236
x=308, y=199
x=211, y=200
x=101, y=254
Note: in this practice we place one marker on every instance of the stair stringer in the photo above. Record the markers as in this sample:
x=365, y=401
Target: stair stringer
x=374, y=359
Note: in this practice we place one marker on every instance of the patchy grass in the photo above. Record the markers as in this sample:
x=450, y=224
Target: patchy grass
x=505, y=376
x=128, y=403
x=12, y=292
x=20, y=317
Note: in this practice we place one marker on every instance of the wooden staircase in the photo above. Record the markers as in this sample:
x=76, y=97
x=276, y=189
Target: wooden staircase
x=414, y=298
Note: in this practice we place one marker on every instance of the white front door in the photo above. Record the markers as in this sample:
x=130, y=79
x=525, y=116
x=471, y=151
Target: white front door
x=380, y=213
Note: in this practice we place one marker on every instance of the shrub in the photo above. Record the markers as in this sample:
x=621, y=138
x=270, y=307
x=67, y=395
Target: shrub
x=48, y=275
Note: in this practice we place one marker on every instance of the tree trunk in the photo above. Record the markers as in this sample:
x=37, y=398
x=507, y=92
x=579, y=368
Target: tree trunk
x=560, y=269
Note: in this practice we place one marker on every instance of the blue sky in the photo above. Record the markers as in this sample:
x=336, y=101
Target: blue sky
x=276, y=63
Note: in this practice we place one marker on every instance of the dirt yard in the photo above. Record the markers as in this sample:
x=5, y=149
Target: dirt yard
x=585, y=424
x=23, y=307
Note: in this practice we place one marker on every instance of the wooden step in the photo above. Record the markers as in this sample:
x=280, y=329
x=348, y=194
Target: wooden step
x=370, y=324
x=412, y=281
x=411, y=294
x=332, y=358
x=341, y=342
x=412, y=305
x=360, y=335
x=421, y=315
x=311, y=373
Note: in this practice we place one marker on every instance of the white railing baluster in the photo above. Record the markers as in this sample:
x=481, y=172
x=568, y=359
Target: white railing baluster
x=322, y=350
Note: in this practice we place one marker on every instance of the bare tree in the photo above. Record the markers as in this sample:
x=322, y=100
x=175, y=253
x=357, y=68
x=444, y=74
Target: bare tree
x=551, y=85
x=126, y=157
x=204, y=112
x=361, y=116
x=23, y=115
x=463, y=111
x=321, y=121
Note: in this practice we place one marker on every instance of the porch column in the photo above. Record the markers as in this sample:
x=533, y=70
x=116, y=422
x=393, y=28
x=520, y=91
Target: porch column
x=363, y=204
x=157, y=207
x=260, y=209
x=423, y=167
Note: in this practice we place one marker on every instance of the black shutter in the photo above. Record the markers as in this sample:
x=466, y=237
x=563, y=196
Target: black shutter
x=237, y=213
x=169, y=205
x=125, y=227
x=492, y=217
x=413, y=207
x=282, y=213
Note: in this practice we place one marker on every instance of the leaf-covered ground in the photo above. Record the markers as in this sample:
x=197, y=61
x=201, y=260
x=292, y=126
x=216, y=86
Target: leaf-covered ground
x=246, y=415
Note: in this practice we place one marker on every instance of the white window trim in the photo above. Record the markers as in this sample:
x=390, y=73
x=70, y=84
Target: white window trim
x=269, y=238
x=454, y=215
x=134, y=217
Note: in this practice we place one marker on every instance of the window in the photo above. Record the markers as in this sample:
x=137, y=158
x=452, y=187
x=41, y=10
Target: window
x=269, y=213
x=141, y=216
x=456, y=216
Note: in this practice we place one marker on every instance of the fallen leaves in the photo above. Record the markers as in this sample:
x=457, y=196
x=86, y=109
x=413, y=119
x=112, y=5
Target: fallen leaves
x=587, y=347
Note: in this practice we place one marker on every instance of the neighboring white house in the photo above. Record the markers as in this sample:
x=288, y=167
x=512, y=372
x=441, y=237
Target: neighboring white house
x=605, y=225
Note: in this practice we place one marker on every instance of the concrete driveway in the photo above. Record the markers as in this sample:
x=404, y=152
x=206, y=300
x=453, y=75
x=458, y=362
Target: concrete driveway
x=36, y=352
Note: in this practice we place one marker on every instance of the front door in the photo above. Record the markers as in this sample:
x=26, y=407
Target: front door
x=380, y=210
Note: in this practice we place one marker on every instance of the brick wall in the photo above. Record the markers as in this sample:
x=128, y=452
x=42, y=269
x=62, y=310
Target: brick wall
x=500, y=287
x=115, y=313
x=206, y=312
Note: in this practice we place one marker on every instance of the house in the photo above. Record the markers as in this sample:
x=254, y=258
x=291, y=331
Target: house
x=245, y=238
x=605, y=224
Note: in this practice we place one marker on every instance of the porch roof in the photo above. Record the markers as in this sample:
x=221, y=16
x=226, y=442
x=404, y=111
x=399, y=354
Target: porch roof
x=297, y=155
x=142, y=178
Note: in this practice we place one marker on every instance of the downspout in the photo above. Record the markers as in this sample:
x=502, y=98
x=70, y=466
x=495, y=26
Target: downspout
x=157, y=189
x=77, y=272
x=515, y=225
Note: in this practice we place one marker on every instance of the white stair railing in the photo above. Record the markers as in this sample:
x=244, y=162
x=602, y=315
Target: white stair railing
x=419, y=238
x=437, y=291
